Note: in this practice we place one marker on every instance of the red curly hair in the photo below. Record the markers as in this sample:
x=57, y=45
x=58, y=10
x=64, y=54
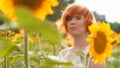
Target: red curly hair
x=77, y=10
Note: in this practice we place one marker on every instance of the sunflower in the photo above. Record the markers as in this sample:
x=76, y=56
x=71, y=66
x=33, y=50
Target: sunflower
x=100, y=42
x=116, y=37
x=33, y=38
x=9, y=33
x=16, y=36
x=39, y=8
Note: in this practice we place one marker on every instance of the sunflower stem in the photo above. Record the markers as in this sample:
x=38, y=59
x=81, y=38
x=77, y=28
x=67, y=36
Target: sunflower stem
x=26, y=49
x=6, y=62
x=38, y=43
x=6, y=58
x=54, y=50
x=87, y=60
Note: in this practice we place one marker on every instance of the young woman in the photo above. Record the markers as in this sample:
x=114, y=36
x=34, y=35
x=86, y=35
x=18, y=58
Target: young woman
x=76, y=19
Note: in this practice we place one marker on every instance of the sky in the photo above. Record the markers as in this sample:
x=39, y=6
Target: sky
x=109, y=8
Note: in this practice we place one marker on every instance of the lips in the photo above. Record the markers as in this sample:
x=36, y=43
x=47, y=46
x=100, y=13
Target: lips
x=73, y=28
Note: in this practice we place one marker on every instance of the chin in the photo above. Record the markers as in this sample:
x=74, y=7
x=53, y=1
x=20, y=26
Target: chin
x=75, y=34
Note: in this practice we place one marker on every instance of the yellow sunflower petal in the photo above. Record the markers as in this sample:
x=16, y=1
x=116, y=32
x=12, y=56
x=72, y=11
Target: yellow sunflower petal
x=39, y=8
x=100, y=42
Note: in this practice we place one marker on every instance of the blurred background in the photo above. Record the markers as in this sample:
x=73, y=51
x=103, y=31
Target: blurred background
x=104, y=10
x=39, y=46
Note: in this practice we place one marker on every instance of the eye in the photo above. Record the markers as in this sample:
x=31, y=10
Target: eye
x=69, y=18
x=78, y=18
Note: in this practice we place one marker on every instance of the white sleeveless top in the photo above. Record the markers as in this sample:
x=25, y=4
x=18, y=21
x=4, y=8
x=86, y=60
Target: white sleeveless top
x=76, y=59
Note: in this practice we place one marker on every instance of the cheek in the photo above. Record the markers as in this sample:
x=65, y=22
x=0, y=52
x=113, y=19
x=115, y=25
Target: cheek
x=81, y=24
x=82, y=27
x=67, y=28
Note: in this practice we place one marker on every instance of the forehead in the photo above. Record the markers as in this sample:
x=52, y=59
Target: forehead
x=74, y=16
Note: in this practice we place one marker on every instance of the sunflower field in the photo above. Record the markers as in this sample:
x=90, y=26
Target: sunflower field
x=28, y=40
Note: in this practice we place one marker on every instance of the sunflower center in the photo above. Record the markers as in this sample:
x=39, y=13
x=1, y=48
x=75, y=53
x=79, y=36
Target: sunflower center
x=31, y=4
x=100, y=42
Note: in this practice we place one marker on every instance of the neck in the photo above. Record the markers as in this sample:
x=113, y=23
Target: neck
x=80, y=42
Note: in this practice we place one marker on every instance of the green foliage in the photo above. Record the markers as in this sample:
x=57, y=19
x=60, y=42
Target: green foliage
x=16, y=58
x=114, y=61
x=29, y=23
x=115, y=26
x=17, y=65
x=81, y=54
x=84, y=57
x=15, y=61
x=42, y=55
x=53, y=60
x=4, y=18
x=6, y=47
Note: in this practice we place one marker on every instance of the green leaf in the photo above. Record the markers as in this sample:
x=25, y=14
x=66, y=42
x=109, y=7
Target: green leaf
x=116, y=52
x=55, y=60
x=6, y=47
x=16, y=58
x=18, y=65
x=29, y=23
x=81, y=54
x=4, y=18
x=65, y=66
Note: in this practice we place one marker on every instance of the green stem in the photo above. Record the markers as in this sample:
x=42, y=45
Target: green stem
x=26, y=49
x=38, y=43
x=6, y=58
x=54, y=50
x=87, y=61
x=6, y=62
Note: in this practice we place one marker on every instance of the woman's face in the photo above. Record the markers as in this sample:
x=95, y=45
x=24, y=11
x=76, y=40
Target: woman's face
x=76, y=25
